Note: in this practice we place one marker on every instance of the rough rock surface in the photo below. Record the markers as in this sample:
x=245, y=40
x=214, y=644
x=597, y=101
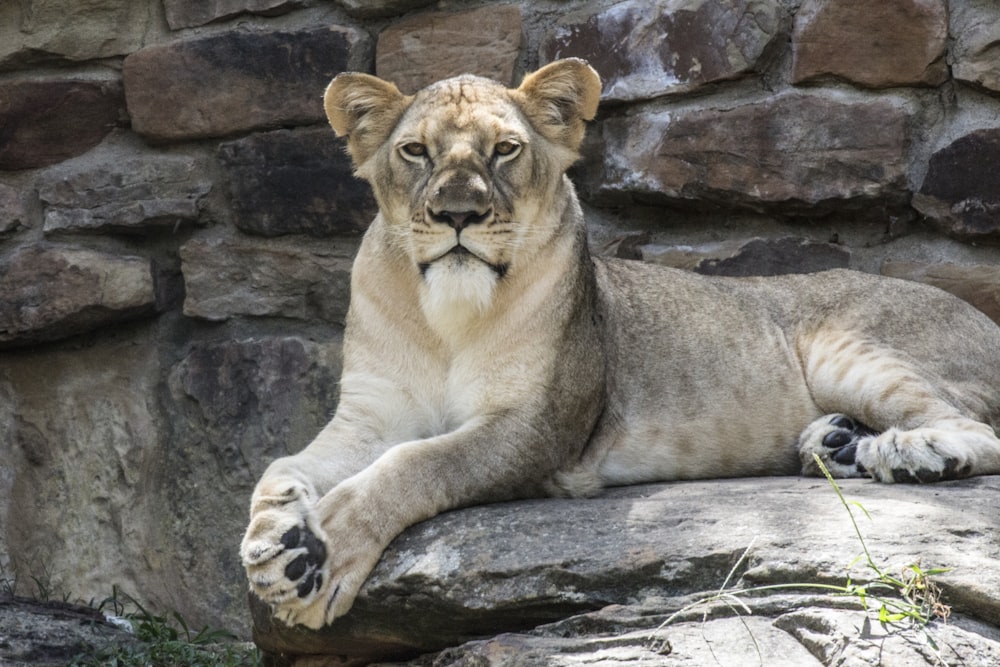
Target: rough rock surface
x=44, y=122
x=960, y=196
x=191, y=13
x=794, y=149
x=893, y=43
x=48, y=293
x=417, y=52
x=124, y=196
x=643, y=51
x=975, y=26
x=236, y=81
x=299, y=182
x=12, y=211
x=594, y=579
x=751, y=257
x=51, y=634
x=226, y=278
x=379, y=8
x=43, y=31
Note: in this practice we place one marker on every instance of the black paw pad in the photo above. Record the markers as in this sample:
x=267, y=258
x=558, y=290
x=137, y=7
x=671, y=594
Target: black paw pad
x=844, y=440
x=304, y=568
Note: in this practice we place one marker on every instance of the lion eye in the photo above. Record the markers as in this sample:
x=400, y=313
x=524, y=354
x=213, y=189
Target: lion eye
x=414, y=149
x=505, y=148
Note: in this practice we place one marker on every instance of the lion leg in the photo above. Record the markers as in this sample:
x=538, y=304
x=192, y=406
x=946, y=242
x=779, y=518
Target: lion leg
x=888, y=420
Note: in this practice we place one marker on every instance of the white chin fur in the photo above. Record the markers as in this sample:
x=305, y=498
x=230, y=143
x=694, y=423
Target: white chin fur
x=457, y=291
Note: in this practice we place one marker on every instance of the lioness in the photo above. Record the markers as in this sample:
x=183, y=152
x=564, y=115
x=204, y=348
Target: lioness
x=488, y=356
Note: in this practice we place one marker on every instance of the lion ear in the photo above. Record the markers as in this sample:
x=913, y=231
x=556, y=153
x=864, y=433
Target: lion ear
x=365, y=109
x=560, y=97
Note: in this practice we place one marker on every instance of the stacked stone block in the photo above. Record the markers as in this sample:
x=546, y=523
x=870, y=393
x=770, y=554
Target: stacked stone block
x=177, y=221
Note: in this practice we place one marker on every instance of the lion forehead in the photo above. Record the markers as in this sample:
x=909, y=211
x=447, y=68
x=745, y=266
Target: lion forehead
x=461, y=106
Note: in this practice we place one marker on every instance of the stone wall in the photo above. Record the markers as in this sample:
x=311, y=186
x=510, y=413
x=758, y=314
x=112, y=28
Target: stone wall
x=177, y=221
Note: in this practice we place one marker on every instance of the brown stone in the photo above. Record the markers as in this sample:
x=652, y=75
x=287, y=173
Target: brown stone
x=975, y=53
x=12, y=213
x=977, y=284
x=961, y=192
x=807, y=153
x=382, y=8
x=275, y=278
x=416, y=52
x=753, y=257
x=643, y=49
x=44, y=122
x=236, y=81
x=47, y=293
x=43, y=31
x=295, y=182
x=875, y=44
x=127, y=195
x=191, y=13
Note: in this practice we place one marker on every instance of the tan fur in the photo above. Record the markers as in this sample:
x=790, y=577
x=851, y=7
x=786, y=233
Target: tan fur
x=518, y=365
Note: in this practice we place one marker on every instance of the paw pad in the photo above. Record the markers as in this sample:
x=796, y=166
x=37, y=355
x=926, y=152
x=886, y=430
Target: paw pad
x=844, y=439
x=304, y=568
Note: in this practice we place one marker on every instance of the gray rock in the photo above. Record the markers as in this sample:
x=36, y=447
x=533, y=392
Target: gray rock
x=126, y=195
x=958, y=195
x=604, y=573
x=753, y=257
x=43, y=31
x=48, y=121
x=426, y=48
x=12, y=212
x=191, y=13
x=236, y=81
x=899, y=43
x=277, y=278
x=295, y=182
x=47, y=293
x=381, y=8
x=975, y=27
x=791, y=152
x=51, y=634
x=644, y=50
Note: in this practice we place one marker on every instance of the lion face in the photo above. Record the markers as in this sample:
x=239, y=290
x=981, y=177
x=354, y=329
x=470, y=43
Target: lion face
x=465, y=170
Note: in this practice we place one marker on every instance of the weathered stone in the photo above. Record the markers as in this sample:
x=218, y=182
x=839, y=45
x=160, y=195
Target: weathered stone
x=416, y=52
x=287, y=182
x=975, y=53
x=644, y=50
x=39, y=31
x=236, y=81
x=381, y=8
x=52, y=634
x=191, y=13
x=513, y=567
x=129, y=195
x=805, y=153
x=12, y=213
x=889, y=43
x=753, y=257
x=977, y=284
x=275, y=278
x=48, y=293
x=44, y=122
x=960, y=195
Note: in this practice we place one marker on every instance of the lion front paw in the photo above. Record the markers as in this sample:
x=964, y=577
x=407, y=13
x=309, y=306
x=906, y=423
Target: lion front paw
x=286, y=558
x=836, y=440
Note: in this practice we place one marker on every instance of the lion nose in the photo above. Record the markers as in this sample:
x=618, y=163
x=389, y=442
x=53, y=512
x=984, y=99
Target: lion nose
x=459, y=220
